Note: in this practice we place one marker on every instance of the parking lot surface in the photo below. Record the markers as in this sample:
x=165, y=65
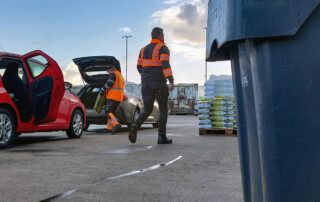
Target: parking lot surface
x=103, y=167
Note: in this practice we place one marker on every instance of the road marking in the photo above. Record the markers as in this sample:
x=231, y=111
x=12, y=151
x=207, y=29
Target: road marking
x=144, y=170
x=60, y=196
x=129, y=150
x=68, y=193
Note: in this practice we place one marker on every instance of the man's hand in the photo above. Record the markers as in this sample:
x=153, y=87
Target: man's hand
x=171, y=86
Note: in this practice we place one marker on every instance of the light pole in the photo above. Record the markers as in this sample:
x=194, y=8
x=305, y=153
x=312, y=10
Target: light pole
x=126, y=54
x=206, y=76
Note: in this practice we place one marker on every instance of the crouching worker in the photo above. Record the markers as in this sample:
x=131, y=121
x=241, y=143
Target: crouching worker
x=114, y=87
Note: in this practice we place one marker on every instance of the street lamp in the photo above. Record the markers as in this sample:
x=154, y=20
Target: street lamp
x=126, y=54
x=206, y=76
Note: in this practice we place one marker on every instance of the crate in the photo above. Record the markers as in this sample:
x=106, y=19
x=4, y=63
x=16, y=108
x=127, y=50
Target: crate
x=217, y=131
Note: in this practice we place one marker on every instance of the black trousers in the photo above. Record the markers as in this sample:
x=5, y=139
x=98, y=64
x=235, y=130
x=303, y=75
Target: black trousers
x=149, y=95
x=111, y=106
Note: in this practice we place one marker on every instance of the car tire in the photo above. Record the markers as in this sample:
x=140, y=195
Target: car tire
x=155, y=125
x=86, y=127
x=7, y=127
x=76, y=125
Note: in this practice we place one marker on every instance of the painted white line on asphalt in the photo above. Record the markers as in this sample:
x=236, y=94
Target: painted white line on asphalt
x=60, y=196
x=129, y=150
x=144, y=170
x=68, y=193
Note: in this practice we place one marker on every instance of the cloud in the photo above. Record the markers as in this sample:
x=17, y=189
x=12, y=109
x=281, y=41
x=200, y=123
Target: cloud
x=183, y=23
x=125, y=29
x=188, y=52
x=71, y=74
x=171, y=1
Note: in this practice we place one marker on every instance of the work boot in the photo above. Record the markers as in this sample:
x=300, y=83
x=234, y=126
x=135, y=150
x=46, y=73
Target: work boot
x=133, y=133
x=162, y=139
x=115, y=128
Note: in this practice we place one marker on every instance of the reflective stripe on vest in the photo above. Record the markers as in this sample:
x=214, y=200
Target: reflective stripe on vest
x=155, y=55
x=117, y=90
x=117, y=87
x=156, y=51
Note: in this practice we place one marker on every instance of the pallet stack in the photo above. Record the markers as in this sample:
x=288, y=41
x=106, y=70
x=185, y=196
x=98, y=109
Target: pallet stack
x=217, y=110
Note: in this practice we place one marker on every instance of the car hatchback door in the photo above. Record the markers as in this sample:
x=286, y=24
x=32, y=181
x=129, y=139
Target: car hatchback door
x=47, y=86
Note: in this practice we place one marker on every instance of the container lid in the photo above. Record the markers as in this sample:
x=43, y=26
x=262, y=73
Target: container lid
x=232, y=21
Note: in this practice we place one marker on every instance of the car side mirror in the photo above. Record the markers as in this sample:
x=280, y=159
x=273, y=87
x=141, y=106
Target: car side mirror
x=67, y=85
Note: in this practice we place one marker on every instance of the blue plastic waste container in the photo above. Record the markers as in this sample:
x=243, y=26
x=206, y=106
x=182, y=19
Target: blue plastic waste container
x=274, y=48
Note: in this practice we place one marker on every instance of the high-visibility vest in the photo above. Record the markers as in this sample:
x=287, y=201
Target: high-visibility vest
x=116, y=91
x=156, y=59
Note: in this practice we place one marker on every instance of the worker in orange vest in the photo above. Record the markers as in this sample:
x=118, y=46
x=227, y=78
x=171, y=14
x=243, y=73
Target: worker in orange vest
x=114, y=95
x=154, y=68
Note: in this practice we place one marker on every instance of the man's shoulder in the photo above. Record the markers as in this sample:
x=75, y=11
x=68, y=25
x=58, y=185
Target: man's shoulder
x=112, y=75
x=164, y=49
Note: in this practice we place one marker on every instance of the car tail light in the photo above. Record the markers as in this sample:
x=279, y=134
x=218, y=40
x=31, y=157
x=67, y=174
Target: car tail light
x=125, y=97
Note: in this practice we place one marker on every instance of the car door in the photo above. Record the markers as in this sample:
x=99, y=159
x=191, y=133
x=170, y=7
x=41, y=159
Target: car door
x=46, y=86
x=137, y=93
x=131, y=103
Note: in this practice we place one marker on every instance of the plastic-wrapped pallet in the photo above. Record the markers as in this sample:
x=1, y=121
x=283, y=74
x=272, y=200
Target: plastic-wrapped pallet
x=204, y=118
x=219, y=104
x=209, y=88
x=222, y=113
x=218, y=86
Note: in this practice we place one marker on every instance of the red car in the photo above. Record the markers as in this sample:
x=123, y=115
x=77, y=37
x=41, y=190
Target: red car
x=34, y=98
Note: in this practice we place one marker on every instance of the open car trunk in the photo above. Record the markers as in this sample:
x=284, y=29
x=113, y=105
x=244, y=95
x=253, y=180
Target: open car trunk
x=88, y=95
x=93, y=69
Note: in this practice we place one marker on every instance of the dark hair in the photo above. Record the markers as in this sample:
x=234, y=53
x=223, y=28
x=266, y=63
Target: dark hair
x=156, y=32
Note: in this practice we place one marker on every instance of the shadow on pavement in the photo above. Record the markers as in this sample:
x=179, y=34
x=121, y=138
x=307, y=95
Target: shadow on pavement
x=103, y=130
x=25, y=140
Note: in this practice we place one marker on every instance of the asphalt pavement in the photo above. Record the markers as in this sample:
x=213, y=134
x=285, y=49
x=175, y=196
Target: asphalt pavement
x=103, y=167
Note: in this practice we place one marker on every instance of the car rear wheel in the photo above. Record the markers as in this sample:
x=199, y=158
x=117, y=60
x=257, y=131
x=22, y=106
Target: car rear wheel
x=7, y=127
x=76, y=125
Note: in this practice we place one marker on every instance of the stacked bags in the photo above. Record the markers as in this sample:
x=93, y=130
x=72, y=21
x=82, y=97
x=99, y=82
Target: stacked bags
x=218, y=86
x=204, y=117
x=217, y=110
x=222, y=113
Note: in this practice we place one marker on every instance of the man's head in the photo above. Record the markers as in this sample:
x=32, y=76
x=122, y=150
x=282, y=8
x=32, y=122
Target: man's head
x=111, y=69
x=157, y=33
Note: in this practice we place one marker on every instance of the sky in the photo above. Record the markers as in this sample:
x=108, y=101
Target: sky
x=67, y=29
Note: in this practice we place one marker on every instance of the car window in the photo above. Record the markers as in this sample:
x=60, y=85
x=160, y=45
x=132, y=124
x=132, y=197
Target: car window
x=129, y=88
x=37, y=65
x=93, y=89
x=136, y=90
x=20, y=73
